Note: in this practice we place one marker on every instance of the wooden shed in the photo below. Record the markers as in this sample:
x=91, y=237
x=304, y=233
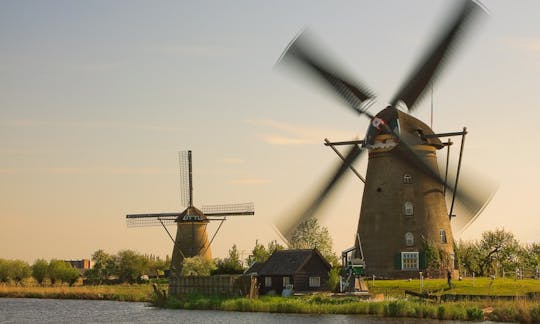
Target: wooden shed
x=306, y=270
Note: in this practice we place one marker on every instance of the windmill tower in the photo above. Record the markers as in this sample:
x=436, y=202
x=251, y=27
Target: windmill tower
x=403, y=204
x=191, y=224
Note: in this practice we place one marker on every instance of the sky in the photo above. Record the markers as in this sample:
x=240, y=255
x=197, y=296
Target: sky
x=98, y=97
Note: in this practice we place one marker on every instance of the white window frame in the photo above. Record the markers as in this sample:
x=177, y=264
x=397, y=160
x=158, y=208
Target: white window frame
x=410, y=261
x=442, y=235
x=314, y=282
x=268, y=281
x=407, y=178
x=286, y=281
x=408, y=208
x=409, y=239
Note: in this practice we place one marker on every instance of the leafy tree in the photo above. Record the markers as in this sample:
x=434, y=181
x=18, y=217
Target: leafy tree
x=197, y=266
x=56, y=271
x=468, y=256
x=157, y=266
x=4, y=271
x=498, y=249
x=230, y=264
x=333, y=279
x=309, y=235
x=530, y=256
x=20, y=270
x=104, y=267
x=40, y=270
x=258, y=254
x=131, y=265
x=274, y=246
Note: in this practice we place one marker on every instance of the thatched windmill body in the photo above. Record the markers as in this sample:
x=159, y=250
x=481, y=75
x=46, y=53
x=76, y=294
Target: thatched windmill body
x=191, y=224
x=403, y=205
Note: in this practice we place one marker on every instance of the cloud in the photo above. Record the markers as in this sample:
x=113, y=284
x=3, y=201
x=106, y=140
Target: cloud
x=89, y=124
x=251, y=181
x=290, y=134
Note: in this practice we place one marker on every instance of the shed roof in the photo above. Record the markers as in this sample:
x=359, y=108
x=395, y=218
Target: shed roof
x=287, y=262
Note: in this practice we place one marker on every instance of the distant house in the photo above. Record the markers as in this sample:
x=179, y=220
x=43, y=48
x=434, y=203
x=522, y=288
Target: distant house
x=81, y=265
x=306, y=270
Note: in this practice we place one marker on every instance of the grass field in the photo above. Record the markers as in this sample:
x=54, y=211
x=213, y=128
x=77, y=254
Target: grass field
x=103, y=292
x=467, y=286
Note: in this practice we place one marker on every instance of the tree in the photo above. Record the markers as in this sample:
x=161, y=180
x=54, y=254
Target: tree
x=469, y=257
x=197, y=266
x=56, y=271
x=4, y=270
x=40, y=270
x=131, y=266
x=258, y=254
x=19, y=270
x=309, y=234
x=104, y=267
x=498, y=249
x=230, y=264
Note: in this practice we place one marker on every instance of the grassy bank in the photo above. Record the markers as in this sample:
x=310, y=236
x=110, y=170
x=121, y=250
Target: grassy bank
x=521, y=311
x=139, y=293
x=468, y=286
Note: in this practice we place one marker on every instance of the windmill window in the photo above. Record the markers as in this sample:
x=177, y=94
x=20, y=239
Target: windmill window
x=409, y=239
x=408, y=208
x=407, y=178
x=409, y=260
x=268, y=281
x=314, y=282
x=286, y=281
x=442, y=234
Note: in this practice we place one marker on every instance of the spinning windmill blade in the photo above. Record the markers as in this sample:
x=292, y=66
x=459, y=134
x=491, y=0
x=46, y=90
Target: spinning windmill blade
x=286, y=226
x=302, y=53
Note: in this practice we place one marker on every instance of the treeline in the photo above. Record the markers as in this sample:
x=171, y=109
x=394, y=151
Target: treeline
x=498, y=253
x=53, y=272
x=126, y=266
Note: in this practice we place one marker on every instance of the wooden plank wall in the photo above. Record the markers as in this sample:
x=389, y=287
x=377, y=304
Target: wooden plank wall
x=225, y=285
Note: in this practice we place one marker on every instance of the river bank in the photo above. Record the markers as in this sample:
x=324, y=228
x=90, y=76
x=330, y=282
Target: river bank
x=395, y=304
x=131, y=293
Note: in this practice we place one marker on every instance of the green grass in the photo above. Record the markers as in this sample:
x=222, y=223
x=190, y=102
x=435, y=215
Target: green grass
x=332, y=305
x=467, y=286
x=113, y=292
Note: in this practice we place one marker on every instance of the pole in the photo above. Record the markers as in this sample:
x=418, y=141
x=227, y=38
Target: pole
x=458, y=170
x=343, y=158
x=447, y=163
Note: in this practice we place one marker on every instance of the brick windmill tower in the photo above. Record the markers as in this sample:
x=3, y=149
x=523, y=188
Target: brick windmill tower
x=191, y=224
x=404, y=209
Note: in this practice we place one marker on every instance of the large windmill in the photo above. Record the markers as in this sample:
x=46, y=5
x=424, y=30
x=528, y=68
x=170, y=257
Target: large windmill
x=403, y=204
x=191, y=235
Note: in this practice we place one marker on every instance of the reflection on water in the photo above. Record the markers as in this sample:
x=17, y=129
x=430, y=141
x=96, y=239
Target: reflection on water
x=25, y=310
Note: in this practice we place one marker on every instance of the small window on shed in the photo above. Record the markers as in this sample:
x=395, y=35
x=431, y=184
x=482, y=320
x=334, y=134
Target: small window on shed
x=286, y=281
x=407, y=178
x=268, y=281
x=409, y=239
x=408, y=208
x=314, y=282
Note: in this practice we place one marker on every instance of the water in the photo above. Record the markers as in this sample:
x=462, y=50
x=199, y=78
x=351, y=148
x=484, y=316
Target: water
x=26, y=310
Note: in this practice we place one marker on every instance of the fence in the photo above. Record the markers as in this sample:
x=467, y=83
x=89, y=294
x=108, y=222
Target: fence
x=223, y=285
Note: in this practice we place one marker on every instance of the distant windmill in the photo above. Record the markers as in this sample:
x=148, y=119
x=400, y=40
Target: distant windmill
x=191, y=237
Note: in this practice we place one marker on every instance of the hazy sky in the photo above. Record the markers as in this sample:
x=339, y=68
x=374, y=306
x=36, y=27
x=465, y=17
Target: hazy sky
x=97, y=98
